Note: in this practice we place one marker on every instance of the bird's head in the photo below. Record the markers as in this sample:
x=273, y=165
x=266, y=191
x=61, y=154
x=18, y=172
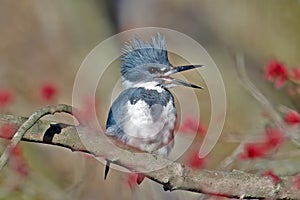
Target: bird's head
x=145, y=62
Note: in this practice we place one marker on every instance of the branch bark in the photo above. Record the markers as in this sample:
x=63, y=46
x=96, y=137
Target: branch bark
x=174, y=176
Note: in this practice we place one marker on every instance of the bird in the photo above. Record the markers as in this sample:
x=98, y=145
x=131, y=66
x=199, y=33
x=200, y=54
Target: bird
x=144, y=115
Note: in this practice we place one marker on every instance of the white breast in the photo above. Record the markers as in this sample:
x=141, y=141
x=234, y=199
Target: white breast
x=141, y=125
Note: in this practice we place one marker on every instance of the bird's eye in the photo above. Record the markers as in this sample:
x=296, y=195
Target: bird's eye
x=153, y=70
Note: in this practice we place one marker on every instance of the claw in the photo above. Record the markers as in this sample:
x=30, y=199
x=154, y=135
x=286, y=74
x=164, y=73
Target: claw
x=140, y=178
x=106, y=168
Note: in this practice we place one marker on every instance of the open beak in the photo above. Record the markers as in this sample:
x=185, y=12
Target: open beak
x=172, y=82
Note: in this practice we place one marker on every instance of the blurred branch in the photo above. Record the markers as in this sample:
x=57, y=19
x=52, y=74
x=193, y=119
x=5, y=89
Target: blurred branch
x=265, y=103
x=255, y=92
x=174, y=176
x=28, y=124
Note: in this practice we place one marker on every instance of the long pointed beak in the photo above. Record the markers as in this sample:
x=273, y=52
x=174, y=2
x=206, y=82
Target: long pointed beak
x=175, y=70
x=172, y=82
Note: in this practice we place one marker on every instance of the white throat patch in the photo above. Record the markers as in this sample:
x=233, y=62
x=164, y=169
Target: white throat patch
x=147, y=85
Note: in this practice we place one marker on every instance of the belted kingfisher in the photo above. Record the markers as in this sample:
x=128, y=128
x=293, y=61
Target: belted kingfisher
x=143, y=115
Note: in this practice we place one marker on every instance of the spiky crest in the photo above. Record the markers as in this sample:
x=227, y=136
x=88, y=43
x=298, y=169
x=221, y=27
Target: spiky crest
x=137, y=52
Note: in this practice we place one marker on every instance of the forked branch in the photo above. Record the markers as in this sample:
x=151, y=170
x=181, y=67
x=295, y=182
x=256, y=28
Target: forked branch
x=174, y=176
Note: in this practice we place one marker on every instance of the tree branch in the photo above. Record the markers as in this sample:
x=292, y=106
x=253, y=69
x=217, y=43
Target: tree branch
x=174, y=176
x=28, y=124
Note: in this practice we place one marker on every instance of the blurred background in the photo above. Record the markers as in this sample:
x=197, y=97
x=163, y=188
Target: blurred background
x=43, y=43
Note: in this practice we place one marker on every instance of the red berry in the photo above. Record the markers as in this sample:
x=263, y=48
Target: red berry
x=274, y=177
x=190, y=124
x=274, y=137
x=7, y=130
x=253, y=151
x=194, y=161
x=292, y=117
x=6, y=98
x=48, y=92
x=276, y=71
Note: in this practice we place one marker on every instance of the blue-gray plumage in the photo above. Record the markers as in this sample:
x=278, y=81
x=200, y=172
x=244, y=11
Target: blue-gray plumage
x=144, y=114
x=138, y=53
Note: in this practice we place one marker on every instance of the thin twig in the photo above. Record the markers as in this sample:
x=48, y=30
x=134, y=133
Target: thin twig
x=254, y=91
x=233, y=156
x=28, y=124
